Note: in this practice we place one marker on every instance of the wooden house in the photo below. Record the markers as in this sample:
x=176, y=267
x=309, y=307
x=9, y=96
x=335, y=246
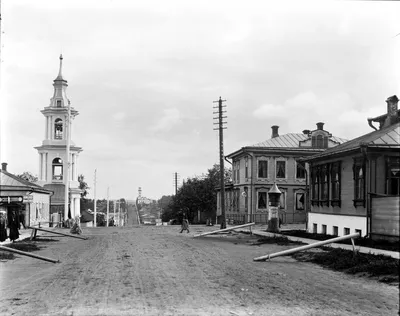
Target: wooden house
x=355, y=187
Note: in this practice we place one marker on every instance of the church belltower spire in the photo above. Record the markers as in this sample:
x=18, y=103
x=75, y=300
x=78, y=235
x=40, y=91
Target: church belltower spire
x=58, y=154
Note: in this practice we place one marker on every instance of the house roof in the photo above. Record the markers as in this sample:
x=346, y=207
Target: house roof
x=388, y=137
x=11, y=181
x=291, y=140
x=59, y=192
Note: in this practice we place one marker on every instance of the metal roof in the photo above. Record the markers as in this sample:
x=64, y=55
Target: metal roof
x=291, y=140
x=388, y=137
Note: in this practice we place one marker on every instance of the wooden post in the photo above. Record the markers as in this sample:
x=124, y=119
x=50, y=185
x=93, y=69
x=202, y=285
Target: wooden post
x=224, y=230
x=28, y=254
x=54, y=232
x=317, y=244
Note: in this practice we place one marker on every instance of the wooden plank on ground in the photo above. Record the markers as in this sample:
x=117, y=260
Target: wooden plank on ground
x=225, y=229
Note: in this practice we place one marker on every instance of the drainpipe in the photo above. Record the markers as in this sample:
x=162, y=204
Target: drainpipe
x=252, y=188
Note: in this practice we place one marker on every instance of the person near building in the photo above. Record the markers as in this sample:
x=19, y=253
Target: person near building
x=3, y=227
x=22, y=219
x=185, y=225
x=13, y=225
x=76, y=227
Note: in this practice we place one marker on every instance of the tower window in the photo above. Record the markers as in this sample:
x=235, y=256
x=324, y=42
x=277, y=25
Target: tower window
x=58, y=129
x=57, y=169
x=58, y=103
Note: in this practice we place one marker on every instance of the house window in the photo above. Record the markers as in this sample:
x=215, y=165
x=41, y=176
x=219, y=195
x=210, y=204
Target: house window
x=335, y=183
x=262, y=200
x=58, y=129
x=57, y=169
x=315, y=185
x=335, y=230
x=319, y=141
x=324, y=229
x=281, y=169
x=300, y=170
x=358, y=231
x=246, y=199
x=315, y=228
x=346, y=231
x=263, y=168
x=324, y=176
x=393, y=176
x=300, y=201
x=359, y=183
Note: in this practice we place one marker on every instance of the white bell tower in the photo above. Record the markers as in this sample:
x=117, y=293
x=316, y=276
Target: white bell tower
x=53, y=161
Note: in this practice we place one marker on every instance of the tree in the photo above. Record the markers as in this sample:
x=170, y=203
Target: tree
x=28, y=176
x=83, y=186
x=197, y=194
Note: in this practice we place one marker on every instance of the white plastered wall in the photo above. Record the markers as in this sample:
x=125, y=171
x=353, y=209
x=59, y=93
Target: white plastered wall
x=351, y=222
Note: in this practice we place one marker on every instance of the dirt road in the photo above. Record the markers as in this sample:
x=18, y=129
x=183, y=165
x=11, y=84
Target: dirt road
x=157, y=271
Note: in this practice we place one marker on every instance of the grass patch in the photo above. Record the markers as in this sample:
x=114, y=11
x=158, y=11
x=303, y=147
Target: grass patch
x=4, y=255
x=279, y=240
x=385, y=268
x=364, y=242
x=24, y=246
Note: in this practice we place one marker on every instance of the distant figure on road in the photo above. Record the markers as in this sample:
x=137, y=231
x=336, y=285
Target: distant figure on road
x=185, y=225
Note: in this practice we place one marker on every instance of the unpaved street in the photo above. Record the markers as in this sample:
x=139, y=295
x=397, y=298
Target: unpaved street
x=153, y=270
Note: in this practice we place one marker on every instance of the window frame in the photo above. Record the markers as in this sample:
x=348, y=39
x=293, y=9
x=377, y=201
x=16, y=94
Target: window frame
x=336, y=169
x=263, y=192
x=359, y=183
x=390, y=162
x=300, y=166
x=58, y=129
x=324, y=185
x=276, y=169
x=262, y=162
x=57, y=164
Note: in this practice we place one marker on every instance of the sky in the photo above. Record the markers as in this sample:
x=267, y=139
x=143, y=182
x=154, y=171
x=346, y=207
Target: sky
x=143, y=76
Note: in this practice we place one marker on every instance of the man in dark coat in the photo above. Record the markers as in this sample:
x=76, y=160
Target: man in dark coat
x=185, y=225
x=13, y=225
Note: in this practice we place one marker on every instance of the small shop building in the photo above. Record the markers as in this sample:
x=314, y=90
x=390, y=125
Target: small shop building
x=29, y=200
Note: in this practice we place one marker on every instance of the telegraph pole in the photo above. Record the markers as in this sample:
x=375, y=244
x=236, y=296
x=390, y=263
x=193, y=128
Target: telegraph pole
x=68, y=129
x=108, y=207
x=94, y=193
x=220, y=128
x=176, y=178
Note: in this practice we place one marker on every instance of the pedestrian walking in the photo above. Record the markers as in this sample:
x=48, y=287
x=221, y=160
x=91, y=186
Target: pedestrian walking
x=13, y=225
x=3, y=229
x=185, y=225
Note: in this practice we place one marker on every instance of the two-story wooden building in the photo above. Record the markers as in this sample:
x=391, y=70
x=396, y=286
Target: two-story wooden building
x=355, y=187
x=255, y=169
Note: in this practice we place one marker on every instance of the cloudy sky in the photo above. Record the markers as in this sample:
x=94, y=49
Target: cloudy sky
x=144, y=74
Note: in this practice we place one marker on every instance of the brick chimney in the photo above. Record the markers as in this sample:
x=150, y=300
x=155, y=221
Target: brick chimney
x=4, y=166
x=306, y=132
x=320, y=126
x=392, y=108
x=275, y=131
